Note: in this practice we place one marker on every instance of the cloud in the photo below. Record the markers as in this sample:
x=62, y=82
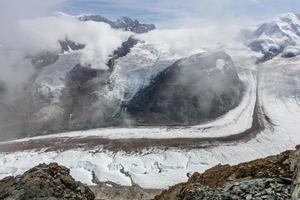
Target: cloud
x=11, y=11
x=15, y=70
x=183, y=42
x=27, y=29
x=100, y=39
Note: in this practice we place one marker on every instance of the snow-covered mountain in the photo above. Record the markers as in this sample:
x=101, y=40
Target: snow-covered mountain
x=278, y=37
x=125, y=23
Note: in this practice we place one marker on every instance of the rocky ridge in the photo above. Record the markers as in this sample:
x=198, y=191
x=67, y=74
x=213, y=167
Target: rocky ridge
x=274, y=177
x=125, y=23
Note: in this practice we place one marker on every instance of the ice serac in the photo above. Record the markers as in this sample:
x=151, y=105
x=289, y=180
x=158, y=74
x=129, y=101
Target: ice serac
x=125, y=23
x=192, y=90
x=278, y=37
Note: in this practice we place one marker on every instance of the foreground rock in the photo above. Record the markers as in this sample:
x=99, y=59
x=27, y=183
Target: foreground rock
x=44, y=182
x=105, y=191
x=250, y=189
x=274, y=177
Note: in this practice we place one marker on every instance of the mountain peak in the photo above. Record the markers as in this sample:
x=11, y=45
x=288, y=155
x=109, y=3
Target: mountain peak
x=125, y=23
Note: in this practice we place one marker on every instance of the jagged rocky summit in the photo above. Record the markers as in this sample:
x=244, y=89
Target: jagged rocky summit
x=125, y=23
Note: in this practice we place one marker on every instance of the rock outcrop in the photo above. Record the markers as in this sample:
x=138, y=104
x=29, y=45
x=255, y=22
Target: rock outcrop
x=44, y=59
x=47, y=58
x=68, y=45
x=295, y=167
x=192, y=90
x=255, y=189
x=44, y=182
x=274, y=177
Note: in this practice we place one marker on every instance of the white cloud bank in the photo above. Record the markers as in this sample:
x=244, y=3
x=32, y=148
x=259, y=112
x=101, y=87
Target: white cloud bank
x=100, y=39
x=27, y=28
x=187, y=41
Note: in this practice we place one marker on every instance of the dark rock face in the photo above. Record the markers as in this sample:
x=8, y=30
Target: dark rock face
x=135, y=26
x=44, y=182
x=2, y=89
x=47, y=58
x=290, y=53
x=78, y=95
x=268, y=53
x=80, y=74
x=125, y=23
x=44, y=59
x=122, y=51
x=192, y=90
x=67, y=45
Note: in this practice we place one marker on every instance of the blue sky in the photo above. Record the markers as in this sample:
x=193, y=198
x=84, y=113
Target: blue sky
x=169, y=11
